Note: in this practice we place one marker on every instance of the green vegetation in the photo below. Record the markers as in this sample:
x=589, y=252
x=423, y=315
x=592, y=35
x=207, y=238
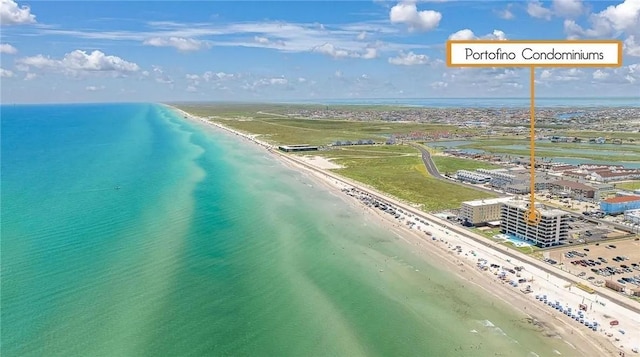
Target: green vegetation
x=447, y=164
x=280, y=129
x=520, y=147
x=399, y=171
x=631, y=185
x=608, y=135
x=526, y=250
x=489, y=233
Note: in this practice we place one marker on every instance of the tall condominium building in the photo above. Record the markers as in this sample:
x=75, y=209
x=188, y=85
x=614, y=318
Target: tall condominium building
x=553, y=228
x=482, y=211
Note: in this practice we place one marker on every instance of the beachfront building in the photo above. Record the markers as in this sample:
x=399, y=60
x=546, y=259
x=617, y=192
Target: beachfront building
x=472, y=177
x=619, y=204
x=299, y=147
x=552, y=230
x=481, y=212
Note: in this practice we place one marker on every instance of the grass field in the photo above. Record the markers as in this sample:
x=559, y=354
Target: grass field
x=399, y=171
x=631, y=185
x=545, y=149
x=278, y=129
x=447, y=164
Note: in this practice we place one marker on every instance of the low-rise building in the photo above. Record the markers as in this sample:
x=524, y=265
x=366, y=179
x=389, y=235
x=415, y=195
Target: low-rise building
x=472, y=177
x=619, y=204
x=300, y=147
x=632, y=215
x=480, y=212
x=575, y=190
x=552, y=230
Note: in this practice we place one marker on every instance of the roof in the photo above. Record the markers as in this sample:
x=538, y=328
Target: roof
x=544, y=210
x=574, y=185
x=621, y=199
x=490, y=201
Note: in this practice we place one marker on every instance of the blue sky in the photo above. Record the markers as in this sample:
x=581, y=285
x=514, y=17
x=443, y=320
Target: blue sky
x=91, y=51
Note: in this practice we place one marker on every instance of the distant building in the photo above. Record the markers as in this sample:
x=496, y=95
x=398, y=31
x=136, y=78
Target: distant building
x=480, y=212
x=617, y=205
x=301, y=147
x=472, y=177
x=552, y=230
x=632, y=215
x=574, y=189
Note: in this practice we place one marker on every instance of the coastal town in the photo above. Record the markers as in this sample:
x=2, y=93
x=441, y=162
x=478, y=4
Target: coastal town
x=580, y=264
x=596, y=118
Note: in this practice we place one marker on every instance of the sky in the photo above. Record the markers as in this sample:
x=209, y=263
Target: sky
x=99, y=51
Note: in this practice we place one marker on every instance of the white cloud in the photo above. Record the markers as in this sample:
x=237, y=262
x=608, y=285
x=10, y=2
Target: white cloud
x=568, y=8
x=369, y=53
x=621, y=76
x=164, y=80
x=464, y=34
x=439, y=85
x=280, y=81
x=8, y=49
x=78, y=61
x=191, y=89
x=335, y=52
x=179, y=43
x=631, y=47
x=30, y=76
x=561, y=75
x=280, y=36
x=496, y=80
x=599, y=74
x=93, y=88
x=535, y=9
x=12, y=14
x=406, y=12
x=467, y=34
x=506, y=14
x=262, y=40
x=409, y=59
x=330, y=50
x=612, y=21
x=5, y=73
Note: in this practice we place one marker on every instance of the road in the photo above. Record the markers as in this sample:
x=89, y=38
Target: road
x=432, y=169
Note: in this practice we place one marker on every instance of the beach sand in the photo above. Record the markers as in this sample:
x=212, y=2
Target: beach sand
x=463, y=262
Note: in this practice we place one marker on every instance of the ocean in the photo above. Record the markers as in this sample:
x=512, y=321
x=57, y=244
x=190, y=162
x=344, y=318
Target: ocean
x=128, y=230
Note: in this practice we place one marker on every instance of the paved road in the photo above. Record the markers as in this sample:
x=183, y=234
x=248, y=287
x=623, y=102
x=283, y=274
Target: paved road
x=433, y=171
x=428, y=162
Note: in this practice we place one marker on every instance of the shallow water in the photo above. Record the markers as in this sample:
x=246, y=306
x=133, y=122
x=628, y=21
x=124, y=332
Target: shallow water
x=128, y=231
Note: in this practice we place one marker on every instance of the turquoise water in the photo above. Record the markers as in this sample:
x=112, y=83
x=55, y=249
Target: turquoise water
x=129, y=231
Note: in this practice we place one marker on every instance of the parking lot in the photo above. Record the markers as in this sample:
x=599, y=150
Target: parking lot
x=618, y=261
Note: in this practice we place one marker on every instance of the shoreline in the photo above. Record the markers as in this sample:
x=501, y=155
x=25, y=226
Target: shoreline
x=462, y=263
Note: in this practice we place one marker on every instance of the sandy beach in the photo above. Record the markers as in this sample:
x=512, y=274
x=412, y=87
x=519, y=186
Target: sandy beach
x=463, y=253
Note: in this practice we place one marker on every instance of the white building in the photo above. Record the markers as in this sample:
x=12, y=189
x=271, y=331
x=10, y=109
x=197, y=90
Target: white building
x=473, y=177
x=482, y=211
x=632, y=215
x=553, y=228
